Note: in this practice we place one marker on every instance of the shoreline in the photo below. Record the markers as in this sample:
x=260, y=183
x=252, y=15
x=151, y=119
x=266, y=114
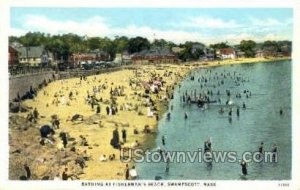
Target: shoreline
x=98, y=137
x=241, y=61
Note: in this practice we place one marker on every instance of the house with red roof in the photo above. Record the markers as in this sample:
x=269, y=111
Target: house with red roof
x=226, y=53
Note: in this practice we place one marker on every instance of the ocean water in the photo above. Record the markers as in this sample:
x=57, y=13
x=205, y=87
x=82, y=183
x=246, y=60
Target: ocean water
x=270, y=87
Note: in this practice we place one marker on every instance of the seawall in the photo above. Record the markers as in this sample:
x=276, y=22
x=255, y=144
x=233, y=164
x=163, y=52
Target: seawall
x=21, y=84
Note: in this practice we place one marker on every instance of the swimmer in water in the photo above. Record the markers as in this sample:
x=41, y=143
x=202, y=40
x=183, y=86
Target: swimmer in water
x=274, y=153
x=185, y=115
x=207, y=146
x=163, y=140
x=167, y=165
x=169, y=116
x=261, y=148
x=221, y=110
x=244, y=168
x=281, y=111
x=244, y=105
x=230, y=112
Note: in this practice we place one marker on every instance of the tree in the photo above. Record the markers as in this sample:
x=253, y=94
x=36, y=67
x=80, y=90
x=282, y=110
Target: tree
x=248, y=46
x=219, y=45
x=271, y=46
x=138, y=44
x=121, y=44
x=192, y=51
x=108, y=47
x=93, y=43
x=62, y=46
x=161, y=43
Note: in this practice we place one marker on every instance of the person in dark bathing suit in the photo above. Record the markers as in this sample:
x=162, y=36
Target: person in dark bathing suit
x=124, y=135
x=274, y=153
x=185, y=115
x=261, y=149
x=127, y=172
x=63, y=137
x=244, y=105
x=244, y=168
x=65, y=176
x=98, y=109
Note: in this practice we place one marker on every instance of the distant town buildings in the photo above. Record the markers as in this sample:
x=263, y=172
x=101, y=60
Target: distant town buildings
x=34, y=56
x=13, y=56
x=155, y=56
x=239, y=54
x=39, y=56
x=126, y=58
x=177, y=49
x=226, y=53
x=97, y=55
x=209, y=54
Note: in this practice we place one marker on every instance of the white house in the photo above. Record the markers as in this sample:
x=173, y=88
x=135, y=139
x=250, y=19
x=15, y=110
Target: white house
x=226, y=53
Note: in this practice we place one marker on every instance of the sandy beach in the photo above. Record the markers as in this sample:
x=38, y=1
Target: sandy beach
x=133, y=113
x=98, y=137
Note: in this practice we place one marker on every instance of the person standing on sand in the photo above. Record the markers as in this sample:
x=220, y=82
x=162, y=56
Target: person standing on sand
x=126, y=172
x=63, y=137
x=115, y=139
x=107, y=110
x=133, y=173
x=124, y=135
x=98, y=109
x=65, y=176
x=35, y=114
x=28, y=172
